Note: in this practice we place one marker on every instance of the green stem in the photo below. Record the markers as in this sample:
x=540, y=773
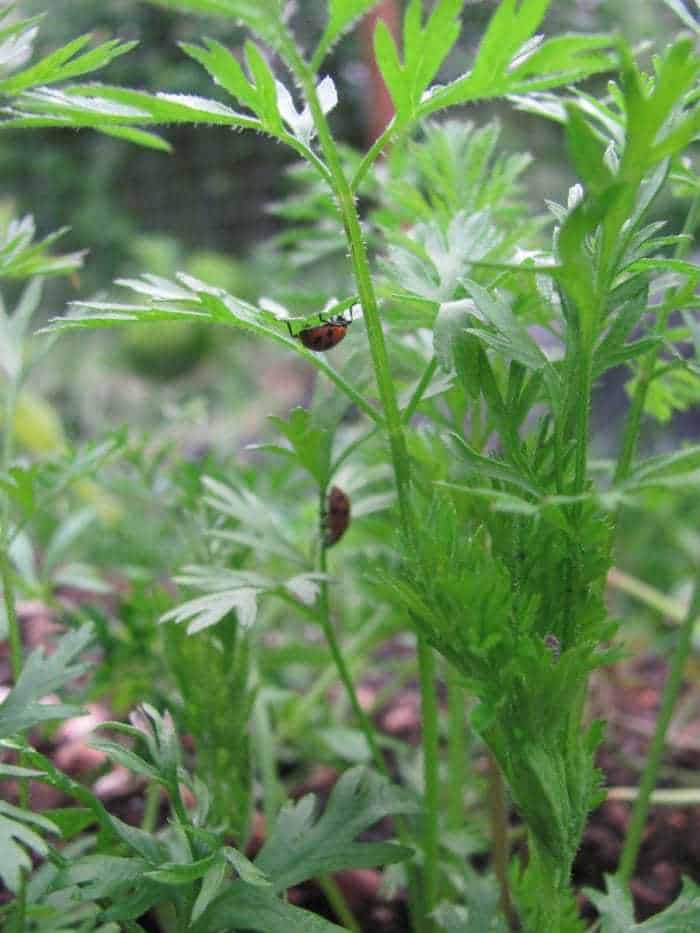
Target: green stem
x=368, y=301
x=149, y=821
x=646, y=594
x=552, y=886
x=13, y=625
x=499, y=836
x=14, y=631
x=583, y=403
x=431, y=778
x=345, y=387
x=668, y=701
x=272, y=797
x=344, y=671
x=417, y=396
x=313, y=697
x=373, y=154
x=338, y=902
x=394, y=428
x=457, y=752
x=361, y=716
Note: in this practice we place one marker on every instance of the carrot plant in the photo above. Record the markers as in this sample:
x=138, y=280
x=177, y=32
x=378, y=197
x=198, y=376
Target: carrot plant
x=458, y=428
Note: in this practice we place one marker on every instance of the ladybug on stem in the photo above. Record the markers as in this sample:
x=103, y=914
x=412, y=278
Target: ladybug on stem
x=323, y=336
x=336, y=517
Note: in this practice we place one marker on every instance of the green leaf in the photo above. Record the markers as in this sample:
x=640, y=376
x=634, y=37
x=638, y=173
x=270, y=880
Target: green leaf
x=40, y=676
x=17, y=833
x=495, y=469
x=146, y=845
x=175, y=874
x=311, y=442
x=225, y=69
x=510, y=60
x=265, y=88
x=128, y=759
x=263, y=17
x=617, y=911
x=342, y=14
x=587, y=151
x=211, y=883
x=138, y=137
x=258, y=525
x=22, y=257
x=249, y=907
x=425, y=49
x=666, y=469
x=65, y=63
x=17, y=40
x=208, y=610
x=244, y=868
x=113, y=109
x=71, y=821
x=300, y=847
x=102, y=876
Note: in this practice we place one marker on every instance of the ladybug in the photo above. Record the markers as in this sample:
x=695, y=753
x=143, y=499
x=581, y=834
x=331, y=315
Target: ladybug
x=323, y=336
x=336, y=518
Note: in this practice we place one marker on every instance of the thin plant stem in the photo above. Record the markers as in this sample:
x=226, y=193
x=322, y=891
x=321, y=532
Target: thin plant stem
x=338, y=902
x=305, y=705
x=372, y=154
x=344, y=671
x=431, y=777
x=361, y=716
x=418, y=392
x=265, y=746
x=646, y=594
x=672, y=688
x=149, y=821
x=457, y=752
x=344, y=386
x=397, y=443
x=14, y=631
x=499, y=836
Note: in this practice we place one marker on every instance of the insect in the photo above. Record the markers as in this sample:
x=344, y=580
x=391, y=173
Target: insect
x=336, y=518
x=325, y=335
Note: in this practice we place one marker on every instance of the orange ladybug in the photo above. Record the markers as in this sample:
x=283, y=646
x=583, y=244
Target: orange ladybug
x=335, y=520
x=323, y=336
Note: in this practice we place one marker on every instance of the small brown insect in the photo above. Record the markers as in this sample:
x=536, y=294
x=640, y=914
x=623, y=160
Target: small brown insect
x=323, y=336
x=336, y=518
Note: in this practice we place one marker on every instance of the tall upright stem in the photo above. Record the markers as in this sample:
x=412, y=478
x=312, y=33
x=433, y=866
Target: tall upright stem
x=397, y=444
